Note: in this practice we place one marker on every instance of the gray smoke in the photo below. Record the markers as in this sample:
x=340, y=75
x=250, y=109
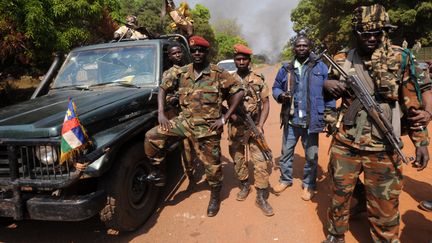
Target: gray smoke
x=266, y=24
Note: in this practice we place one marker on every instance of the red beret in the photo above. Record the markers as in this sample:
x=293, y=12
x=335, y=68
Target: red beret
x=242, y=49
x=198, y=41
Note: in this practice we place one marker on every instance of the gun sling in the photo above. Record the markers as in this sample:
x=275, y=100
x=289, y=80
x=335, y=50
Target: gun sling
x=351, y=114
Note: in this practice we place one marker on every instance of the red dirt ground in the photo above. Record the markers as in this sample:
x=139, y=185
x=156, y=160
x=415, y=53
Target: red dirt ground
x=182, y=215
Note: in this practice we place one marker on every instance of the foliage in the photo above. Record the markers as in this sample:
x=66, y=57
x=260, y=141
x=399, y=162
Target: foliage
x=287, y=53
x=260, y=59
x=226, y=43
x=330, y=20
x=227, y=35
x=31, y=30
x=228, y=27
x=148, y=13
x=201, y=16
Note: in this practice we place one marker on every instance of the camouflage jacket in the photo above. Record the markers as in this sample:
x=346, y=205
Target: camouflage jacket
x=255, y=91
x=363, y=134
x=201, y=97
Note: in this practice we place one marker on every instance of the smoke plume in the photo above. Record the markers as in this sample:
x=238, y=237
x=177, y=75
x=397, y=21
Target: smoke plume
x=266, y=25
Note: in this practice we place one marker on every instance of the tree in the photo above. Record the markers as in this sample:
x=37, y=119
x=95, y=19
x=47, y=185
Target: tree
x=228, y=27
x=32, y=30
x=227, y=35
x=201, y=16
x=287, y=52
x=148, y=13
x=226, y=43
x=330, y=20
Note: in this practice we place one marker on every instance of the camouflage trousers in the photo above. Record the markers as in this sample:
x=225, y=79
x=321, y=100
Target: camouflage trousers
x=186, y=148
x=383, y=185
x=238, y=150
x=207, y=148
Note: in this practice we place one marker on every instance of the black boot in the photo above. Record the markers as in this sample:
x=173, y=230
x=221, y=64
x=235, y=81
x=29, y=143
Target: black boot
x=157, y=177
x=244, y=190
x=426, y=205
x=214, y=203
x=261, y=202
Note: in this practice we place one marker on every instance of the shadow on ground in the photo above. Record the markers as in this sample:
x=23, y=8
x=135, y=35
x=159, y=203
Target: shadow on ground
x=92, y=230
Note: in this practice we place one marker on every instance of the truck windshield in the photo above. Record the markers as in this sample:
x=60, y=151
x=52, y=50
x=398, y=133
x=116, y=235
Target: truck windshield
x=131, y=65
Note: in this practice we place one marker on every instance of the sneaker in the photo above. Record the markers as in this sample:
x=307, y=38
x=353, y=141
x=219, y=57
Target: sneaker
x=307, y=194
x=281, y=187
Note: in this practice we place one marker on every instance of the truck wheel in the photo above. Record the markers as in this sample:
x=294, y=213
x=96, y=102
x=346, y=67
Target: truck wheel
x=129, y=202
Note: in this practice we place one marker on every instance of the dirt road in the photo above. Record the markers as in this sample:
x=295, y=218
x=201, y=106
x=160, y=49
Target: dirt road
x=182, y=215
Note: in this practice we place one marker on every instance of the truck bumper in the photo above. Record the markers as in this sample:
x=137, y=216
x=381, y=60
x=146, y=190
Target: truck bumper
x=56, y=209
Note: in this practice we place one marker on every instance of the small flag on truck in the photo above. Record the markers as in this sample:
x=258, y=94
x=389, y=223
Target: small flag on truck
x=74, y=137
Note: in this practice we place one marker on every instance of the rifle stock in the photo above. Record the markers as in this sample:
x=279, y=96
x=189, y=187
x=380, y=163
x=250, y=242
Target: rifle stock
x=256, y=134
x=372, y=108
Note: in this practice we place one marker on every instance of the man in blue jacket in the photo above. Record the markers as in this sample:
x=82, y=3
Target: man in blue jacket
x=299, y=88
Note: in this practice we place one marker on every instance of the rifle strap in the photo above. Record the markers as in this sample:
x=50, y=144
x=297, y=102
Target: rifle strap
x=254, y=93
x=350, y=117
x=353, y=59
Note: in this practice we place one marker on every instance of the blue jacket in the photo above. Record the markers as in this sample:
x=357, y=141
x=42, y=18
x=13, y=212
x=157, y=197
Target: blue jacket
x=315, y=74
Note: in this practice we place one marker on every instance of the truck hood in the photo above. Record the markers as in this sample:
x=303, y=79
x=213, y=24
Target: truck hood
x=43, y=117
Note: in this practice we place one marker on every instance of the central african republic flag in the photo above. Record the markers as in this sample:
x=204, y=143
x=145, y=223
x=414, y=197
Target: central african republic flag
x=74, y=137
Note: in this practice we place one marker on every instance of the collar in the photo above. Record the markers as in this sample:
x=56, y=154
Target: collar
x=298, y=64
x=246, y=78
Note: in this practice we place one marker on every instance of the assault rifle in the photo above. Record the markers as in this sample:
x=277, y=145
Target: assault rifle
x=255, y=133
x=371, y=106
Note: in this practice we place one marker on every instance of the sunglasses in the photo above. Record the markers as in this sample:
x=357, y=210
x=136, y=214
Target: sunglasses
x=368, y=34
x=198, y=49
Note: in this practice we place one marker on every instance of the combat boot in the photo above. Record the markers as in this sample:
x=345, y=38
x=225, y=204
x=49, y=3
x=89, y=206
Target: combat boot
x=214, y=203
x=261, y=202
x=334, y=239
x=426, y=205
x=157, y=177
x=244, y=190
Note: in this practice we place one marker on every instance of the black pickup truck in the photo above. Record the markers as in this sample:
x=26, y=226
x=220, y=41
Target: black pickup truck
x=114, y=86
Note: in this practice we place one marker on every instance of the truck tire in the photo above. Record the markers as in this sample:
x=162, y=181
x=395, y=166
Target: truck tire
x=129, y=201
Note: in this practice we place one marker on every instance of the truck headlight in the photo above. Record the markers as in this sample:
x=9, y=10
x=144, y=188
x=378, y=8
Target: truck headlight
x=46, y=154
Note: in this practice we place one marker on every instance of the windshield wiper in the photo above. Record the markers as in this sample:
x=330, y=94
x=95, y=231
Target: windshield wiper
x=79, y=87
x=122, y=83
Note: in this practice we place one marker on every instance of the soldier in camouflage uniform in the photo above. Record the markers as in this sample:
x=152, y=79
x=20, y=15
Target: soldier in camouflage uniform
x=358, y=145
x=181, y=18
x=256, y=103
x=129, y=30
x=202, y=88
x=176, y=58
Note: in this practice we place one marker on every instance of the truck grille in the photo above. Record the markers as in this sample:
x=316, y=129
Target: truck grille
x=29, y=161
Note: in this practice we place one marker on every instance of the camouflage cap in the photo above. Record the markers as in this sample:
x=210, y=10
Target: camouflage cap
x=366, y=18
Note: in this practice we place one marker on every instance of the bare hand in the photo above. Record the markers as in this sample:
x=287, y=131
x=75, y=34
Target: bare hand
x=335, y=88
x=284, y=97
x=422, y=158
x=419, y=119
x=164, y=123
x=261, y=129
x=234, y=118
x=217, y=125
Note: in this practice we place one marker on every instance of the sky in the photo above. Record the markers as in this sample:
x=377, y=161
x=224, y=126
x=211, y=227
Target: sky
x=265, y=24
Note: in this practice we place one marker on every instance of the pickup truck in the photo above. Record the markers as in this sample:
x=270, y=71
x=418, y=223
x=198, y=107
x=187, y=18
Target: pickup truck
x=114, y=86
